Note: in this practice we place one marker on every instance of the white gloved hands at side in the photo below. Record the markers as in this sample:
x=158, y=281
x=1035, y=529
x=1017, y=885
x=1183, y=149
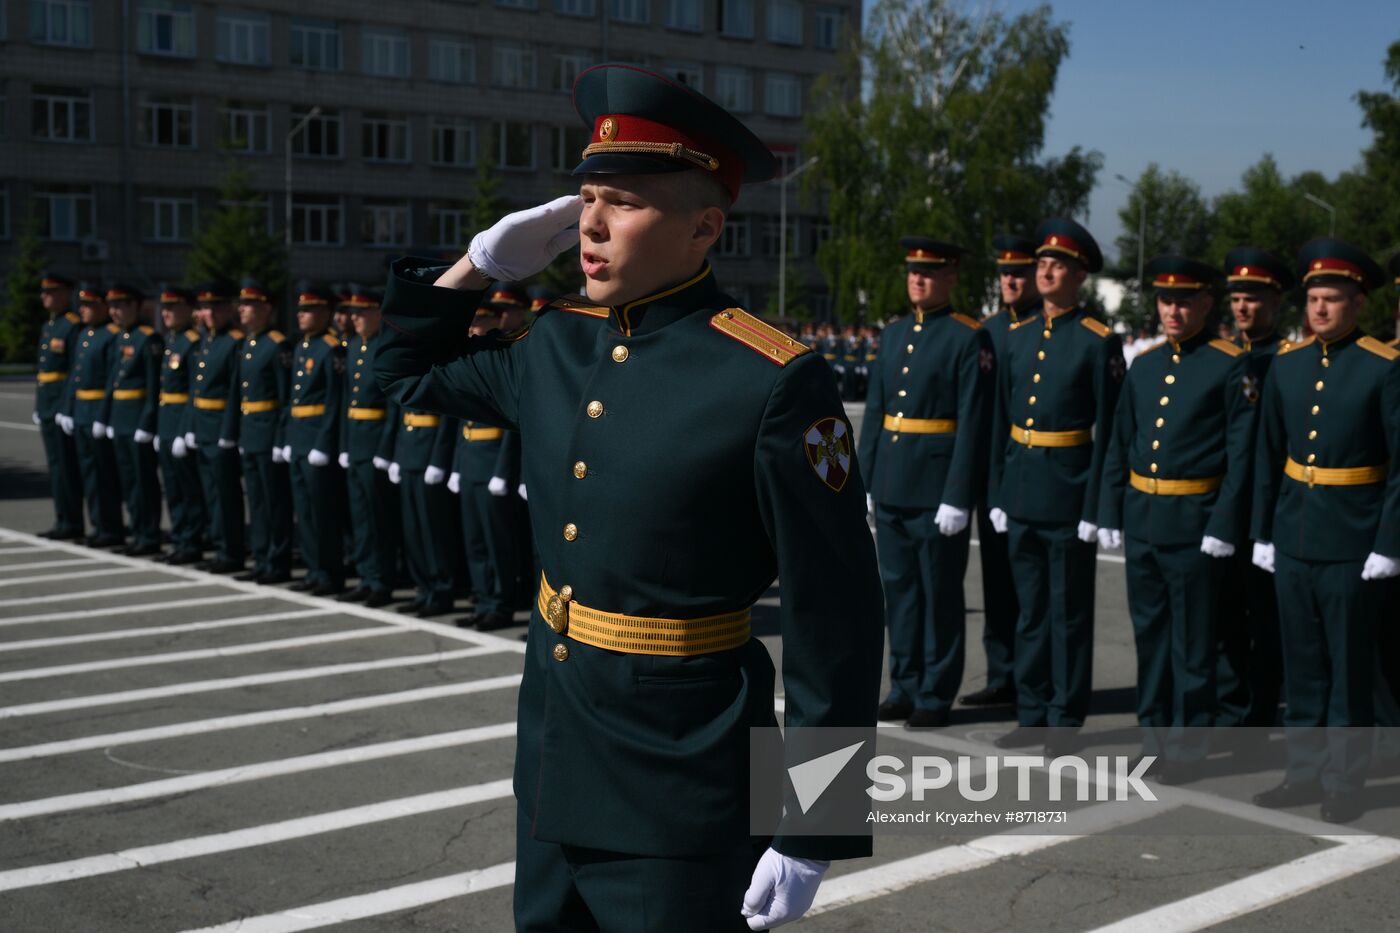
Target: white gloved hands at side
x=1214, y=547
x=998, y=519
x=142, y=437
x=523, y=243
x=190, y=442
x=228, y=443
x=1088, y=532
x=277, y=455
x=782, y=889
x=380, y=463
x=155, y=442
x=1110, y=539
x=1380, y=567
x=1264, y=555
x=454, y=483
x=178, y=448
x=65, y=423
x=433, y=475
x=520, y=491
x=950, y=520
x=99, y=430
x=111, y=433
x=343, y=460
x=869, y=504
x=36, y=419
x=497, y=486
x=317, y=458
x=395, y=473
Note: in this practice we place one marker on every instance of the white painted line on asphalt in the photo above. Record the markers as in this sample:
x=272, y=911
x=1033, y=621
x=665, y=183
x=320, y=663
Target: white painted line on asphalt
x=198, y=654
x=48, y=564
x=187, y=783
x=1263, y=889
x=94, y=594
x=232, y=683
x=390, y=900
x=130, y=610
x=62, y=641
x=869, y=883
x=18, y=426
x=86, y=575
x=266, y=834
x=261, y=718
x=27, y=549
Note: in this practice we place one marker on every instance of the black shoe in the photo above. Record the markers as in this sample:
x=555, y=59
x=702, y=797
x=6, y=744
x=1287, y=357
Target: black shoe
x=1004, y=695
x=54, y=534
x=1173, y=773
x=1340, y=807
x=328, y=589
x=1061, y=740
x=179, y=558
x=225, y=566
x=276, y=577
x=250, y=576
x=358, y=595
x=304, y=585
x=377, y=598
x=410, y=608
x=891, y=710
x=143, y=550
x=435, y=609
x=927, y=719
x=1288, y=795
x=106, y=541
x=1021, y=737
x=492, y=621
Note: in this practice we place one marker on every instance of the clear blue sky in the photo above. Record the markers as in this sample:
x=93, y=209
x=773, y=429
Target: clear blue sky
x=1206, y=88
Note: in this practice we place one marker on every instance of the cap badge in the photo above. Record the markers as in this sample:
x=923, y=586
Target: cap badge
x=607, y=129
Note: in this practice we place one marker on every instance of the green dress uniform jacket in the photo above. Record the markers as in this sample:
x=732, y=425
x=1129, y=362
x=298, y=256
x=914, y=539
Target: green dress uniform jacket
x=56, y=341
x=184, y=493
x=264, y=386
x=366, y=432
x=212, y=415
x=489, y=534
x=314, y=424
x=134, y=390
x=680, y=455
x=88, y=403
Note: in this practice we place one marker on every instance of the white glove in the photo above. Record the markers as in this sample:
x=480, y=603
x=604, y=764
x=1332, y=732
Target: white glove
x=227, y=443
x=286, y=453
x=178, y=448
x=155, y=442
x=380, y=463
x=242, y=450
x=950, y=520
x=869, y=504
x=343, y=460
x=141, y=437
x=523, y=243
x=111, y=433
x=99, y=430
x=998, y=519
x=1088, y=532
x=317, y=458
x=520, y=491
x=190, y=442
x=782, y=889
x=66, y=423
x=434, y=475
x=395, y=474
x=1217, y=548
x=497, y=486
x=277, y=455
x=35, y=416
x=1110, y=538
x=1380, y=567
x=454, y=483
x=1264, y=555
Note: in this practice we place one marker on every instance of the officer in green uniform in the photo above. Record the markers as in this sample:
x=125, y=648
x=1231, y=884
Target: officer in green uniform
x=184, y=494
x=1015, y=257
x=1059, y=385
x=56, y=342
x=421, y=459
x=680, y=454
x=1176, y=486
x=87, y=407
x=1249, y=673
x=134, y=388
x=313, y=438
x=1327, y=522
x=211, y=425
x=264, y=385
x=922, y=451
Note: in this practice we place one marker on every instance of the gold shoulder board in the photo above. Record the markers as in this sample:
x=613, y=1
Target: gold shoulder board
x=146, y=329
x=1383, y=350
x=1289, y=348
x=112, y=328
x=1023, y=323
x=765, y=340
x=1226, y=347
x=235, y=333
x=1095, y=325
x=192, y=335
x=579, y=305
x=276, y=336
x=72, y=318
x=966, y=321
x=330, y=340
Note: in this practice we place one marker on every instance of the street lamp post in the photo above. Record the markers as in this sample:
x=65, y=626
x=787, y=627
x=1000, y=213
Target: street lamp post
x=1332, y=212
x=314, y=112
x=1141, y=237
x=782, y=229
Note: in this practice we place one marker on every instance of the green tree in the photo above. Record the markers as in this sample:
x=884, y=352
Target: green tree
x=485, y=204
x=1176, y=220
x=794, y=293
x=233, y=241
x=21, y=313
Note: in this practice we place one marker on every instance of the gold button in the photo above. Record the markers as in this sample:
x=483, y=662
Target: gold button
x=1035, y=378
x=1316, y=409
x=1045, y=333
x=1031, y=400
x=356, y=389
x=1040, y=355
x=409, y=428
x=1030, y=422
x=201, y=364
x=1156, y=444
x=1312, y=435
x=619, y=354
x=1153, y=468
x=1312, y=458
x=580, y=470
x=918, y=328
x=1171, y=380
x=902, y=393
x=894, y=439
x=1326, y=362
x=199, y=378
x=566, y=592
x=1318, y=386
x=247, y=356
x=904, y=371
x=595, y=409
x=570, y=531
x=1176, y=357
x=561, y=652
x=910, y=348
x=357, y=375
x=1164, y=401
x=245, y=385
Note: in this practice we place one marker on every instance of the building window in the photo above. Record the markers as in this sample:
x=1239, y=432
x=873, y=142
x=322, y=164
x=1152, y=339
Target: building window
x=685, y=14
x=62, y=114
x=386, y=54
x=61, y=22
x=567, y=144
x=451, y=61
x=736, y=18
x=821, y=232
x=243, y=127
x=514, y=145
x=65, y=212
x=449, y=226
x=691, y=74
x=167, y=121
x=828, y=23
x=629, y=11
x=242, y=39
x=772, y=236
x=734, y=89
x=317, y=221
x=167, y=218
x=782, y=94
x=384, y=138
x=785, y=22
x=316, y=44
x=512, y=65
x=453, y=142
x=165, y=27
x=320, y=137
x=567, y=68
x=574, y=7
x=734, y=238
x=384, y=223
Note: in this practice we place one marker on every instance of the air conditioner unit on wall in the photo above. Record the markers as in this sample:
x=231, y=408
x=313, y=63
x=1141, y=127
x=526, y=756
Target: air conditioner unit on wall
x=94, y=250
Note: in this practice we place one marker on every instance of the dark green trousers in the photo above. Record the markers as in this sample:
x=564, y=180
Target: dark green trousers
x=97, y=463
x=1172, y=598
x=429, y=537
x=1000, y=609
x=223, y=493
x=318, y=511
x=269, y=513
x=376, y=523
x=488, y=535
x=1249, y=667
x=1055, y=575
x=923, y=572
x=184, y=497
x=65, y=482
x=136, y=467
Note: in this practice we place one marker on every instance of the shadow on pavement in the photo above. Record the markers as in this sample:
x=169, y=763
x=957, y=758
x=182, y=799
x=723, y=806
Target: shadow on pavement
x=19, y=481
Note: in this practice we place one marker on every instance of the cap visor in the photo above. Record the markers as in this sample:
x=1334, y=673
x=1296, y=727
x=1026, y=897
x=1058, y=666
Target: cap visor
x=605, y=163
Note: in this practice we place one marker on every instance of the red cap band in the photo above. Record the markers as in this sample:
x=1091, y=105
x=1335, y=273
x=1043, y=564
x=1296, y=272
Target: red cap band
x=1059, y=243
x=1335, y=267
x=626, y=134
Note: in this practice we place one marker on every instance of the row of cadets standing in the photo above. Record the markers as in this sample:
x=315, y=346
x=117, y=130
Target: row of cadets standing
x=86, y=412
x=58, y=337
x=179, y=467
x=133, y=389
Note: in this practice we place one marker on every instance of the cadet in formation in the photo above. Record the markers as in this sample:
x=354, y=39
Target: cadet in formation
x=211, y=426
x=134, y=386
x=57, y=338
x=179, y=468
x=421, y=462
x=87, y=410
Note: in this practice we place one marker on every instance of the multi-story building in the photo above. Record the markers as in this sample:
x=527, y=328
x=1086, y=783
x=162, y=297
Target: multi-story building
x=119, y=117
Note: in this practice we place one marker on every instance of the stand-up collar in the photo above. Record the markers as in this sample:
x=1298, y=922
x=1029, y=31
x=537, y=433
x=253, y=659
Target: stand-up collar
x=1337, y=343
x=654, y=312
x=1199, y=338
x=920, y=315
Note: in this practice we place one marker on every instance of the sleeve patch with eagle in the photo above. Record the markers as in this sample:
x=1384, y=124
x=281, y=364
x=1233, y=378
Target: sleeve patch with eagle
x=828, y=446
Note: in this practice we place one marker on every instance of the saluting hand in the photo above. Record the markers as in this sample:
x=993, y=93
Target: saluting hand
x=520, y=244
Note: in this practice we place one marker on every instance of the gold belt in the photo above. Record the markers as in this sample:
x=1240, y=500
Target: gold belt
x=638, y=635
x=127, y=395
x=308, y=411
x=257, y=408
x=1174, y=487
x=91, y=395
x=365, y=414
x=421, y=421
x=1051, y=438
x=920, y=425
x=1343, y=476
x=210, y=404
x=482, y=434
x=52, y=377
x=174, y=398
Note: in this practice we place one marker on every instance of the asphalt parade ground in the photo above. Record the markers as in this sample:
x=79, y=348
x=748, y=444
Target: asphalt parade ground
x=180, y=751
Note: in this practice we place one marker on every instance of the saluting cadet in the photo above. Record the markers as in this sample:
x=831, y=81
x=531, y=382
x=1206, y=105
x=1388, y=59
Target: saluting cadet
x=134, y=387
x=680, y=454
x=1059, y=385
x=922, y=453
x=1249, y=671
x=56, y=343
x=421, y=461
x=211, y=425
x=1020, y=301
x=1176, y=496
x=313, y=438
x=184, y=494
x=87, y=407
x=264, y=386
x=1327, y=522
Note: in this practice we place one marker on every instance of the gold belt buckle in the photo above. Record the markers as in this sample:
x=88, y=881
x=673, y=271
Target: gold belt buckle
x=1026, y=434
x=1152, y=485
x=557, y=610
x=1308, y=476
